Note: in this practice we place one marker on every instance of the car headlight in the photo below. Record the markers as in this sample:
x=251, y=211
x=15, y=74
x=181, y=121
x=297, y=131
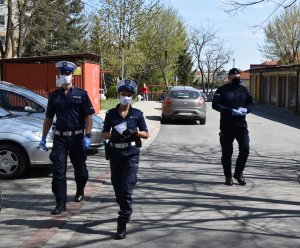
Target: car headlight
x=40, y=135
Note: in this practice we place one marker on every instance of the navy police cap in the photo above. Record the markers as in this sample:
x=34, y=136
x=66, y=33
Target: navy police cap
x=233, y=71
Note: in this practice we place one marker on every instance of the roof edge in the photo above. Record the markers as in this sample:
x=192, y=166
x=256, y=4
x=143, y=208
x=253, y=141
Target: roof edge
x=54, y=58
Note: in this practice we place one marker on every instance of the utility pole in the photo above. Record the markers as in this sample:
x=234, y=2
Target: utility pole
x=122, y=59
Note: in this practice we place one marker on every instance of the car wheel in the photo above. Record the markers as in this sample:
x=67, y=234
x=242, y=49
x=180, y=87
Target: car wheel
x=202, y=121
x=163, y=120
x=12, y=161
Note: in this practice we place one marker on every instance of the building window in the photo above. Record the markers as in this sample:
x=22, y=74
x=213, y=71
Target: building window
x=2, y=20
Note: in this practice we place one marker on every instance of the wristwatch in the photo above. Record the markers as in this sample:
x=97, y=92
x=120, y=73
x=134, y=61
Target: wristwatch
x=89, y=135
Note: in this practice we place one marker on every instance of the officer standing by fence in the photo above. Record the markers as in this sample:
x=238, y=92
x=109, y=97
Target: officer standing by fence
x=233, y=102
x=72, y=135
x=124, y=126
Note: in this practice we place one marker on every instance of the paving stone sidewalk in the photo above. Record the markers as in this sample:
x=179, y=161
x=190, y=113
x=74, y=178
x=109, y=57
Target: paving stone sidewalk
x=25, y=219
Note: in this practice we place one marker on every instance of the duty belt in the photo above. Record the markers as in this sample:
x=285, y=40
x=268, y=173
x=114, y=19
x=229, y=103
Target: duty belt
x=122, y=145
x=68, y=133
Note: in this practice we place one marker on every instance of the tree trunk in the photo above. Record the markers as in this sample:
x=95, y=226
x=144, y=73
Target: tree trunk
x=165, y=78
x=21, y=33
x=9, y=28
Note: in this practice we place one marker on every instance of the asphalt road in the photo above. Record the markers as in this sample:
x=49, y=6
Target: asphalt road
x=180, y=199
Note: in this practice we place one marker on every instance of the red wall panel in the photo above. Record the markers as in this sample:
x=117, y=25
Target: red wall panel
x=91, y=75
x=41, y=78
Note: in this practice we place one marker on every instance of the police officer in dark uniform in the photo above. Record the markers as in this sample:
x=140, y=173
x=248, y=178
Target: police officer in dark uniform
x=124, y=126
x=72, y=135
x=233, y=101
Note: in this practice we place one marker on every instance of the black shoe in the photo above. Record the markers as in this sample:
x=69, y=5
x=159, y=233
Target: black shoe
x=228, y=181
x=79, y=196
x=121, y=229
x=241, y=180
x=59, y=208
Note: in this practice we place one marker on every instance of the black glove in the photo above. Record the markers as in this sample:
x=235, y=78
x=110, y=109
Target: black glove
x=116, y=137
x=130, y=132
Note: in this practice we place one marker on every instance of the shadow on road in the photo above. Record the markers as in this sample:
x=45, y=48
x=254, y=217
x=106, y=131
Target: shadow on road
x=277, y=114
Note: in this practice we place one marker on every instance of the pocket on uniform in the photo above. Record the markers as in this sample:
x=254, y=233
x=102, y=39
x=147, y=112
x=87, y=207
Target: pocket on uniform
x=132, y=173
x=52, y=156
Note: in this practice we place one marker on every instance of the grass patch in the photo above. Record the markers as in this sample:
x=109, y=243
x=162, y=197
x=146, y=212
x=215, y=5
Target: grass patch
x=109, y=103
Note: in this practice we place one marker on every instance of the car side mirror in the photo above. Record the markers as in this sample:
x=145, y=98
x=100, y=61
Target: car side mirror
x=29, y=109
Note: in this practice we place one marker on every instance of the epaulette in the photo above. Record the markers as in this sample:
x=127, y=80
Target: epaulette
x=108, y=111
x=54, y=91
x=81, y=89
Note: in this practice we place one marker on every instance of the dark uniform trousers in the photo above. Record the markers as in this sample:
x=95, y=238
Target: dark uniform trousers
x=124, y=167
x=62, y=146
x=227, y=137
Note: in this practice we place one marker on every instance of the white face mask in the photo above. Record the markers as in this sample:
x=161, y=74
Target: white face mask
x=66, y=79
x=125, y=100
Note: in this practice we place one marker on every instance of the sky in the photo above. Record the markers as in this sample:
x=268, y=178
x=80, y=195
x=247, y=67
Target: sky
x=238, y=31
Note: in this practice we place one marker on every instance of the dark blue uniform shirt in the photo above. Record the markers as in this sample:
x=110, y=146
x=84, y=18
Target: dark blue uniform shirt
x=135, y=120
x=70, y=109
x=232, y=96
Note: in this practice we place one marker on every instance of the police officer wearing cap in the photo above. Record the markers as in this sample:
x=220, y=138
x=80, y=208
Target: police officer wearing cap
x=124, y=126
x=73, y=110
x=234, y=102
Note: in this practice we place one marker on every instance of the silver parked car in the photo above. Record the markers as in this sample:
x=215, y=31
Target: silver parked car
x=22, y=101
x=19, y=140
x=184, y=102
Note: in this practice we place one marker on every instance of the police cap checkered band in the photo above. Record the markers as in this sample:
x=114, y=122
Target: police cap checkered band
x=126, y=84
x=233, y=71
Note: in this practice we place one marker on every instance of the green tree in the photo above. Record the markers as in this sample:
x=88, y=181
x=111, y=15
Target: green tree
x=116, y=28
x=60, y=29
x=162, y=40
x=184, y=67
x=282, y=37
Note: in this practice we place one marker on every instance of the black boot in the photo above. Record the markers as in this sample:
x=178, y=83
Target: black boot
x=59, y=208
x=79, y=196
x=121, y=229
x=228, y=181
x=241, y=180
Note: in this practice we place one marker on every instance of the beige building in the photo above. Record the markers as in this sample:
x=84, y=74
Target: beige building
x=276, y=85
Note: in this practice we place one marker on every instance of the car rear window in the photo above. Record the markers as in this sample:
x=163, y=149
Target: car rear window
x=184, y=94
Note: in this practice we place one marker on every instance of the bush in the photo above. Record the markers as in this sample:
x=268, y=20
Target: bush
x=111, y=91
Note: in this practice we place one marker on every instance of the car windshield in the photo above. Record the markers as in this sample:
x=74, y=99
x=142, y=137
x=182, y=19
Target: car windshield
x=184, y=94
x=4, y=113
